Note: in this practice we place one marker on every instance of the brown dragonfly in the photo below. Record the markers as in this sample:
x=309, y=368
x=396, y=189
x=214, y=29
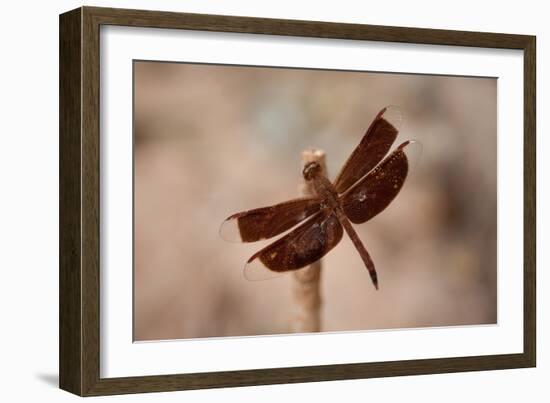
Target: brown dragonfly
x=366, y=185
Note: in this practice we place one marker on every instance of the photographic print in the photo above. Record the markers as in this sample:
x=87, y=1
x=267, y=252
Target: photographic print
x=273, y=200
x=252, y=201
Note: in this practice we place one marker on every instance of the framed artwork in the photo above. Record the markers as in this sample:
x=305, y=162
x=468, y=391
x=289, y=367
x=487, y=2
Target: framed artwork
x=249, y=201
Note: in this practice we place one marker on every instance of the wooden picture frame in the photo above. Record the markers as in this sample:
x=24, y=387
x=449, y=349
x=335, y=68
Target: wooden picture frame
x=79, y=346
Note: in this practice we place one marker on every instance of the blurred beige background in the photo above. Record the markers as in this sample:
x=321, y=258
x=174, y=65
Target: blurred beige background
x=214, y=140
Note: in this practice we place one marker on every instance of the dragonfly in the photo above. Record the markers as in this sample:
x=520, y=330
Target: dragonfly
x=368, y=182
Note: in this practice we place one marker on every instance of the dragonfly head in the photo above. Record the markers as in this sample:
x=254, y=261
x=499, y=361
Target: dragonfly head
x=311, y=170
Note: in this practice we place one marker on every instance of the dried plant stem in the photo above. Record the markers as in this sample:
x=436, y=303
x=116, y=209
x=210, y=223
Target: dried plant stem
x=306, y=285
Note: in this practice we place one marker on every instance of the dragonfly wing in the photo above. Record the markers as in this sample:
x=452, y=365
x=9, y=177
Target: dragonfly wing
x=267, y=222
x=374, y=146
x=372, y=194
x=301, y=247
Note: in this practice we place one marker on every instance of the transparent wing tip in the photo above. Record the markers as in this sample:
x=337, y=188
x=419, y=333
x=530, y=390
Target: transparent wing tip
x=255, y=270
x=413, y=151
x=393, y=115
x=229, y=230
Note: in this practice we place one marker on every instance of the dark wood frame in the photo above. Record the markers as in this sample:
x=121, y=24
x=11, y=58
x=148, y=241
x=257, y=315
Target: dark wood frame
x=79, y=201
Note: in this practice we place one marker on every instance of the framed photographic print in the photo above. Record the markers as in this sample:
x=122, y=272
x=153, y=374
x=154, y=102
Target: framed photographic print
x=249, y=201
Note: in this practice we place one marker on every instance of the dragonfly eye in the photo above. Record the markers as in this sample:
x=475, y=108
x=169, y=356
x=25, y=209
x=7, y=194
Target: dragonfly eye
x=311, y=170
